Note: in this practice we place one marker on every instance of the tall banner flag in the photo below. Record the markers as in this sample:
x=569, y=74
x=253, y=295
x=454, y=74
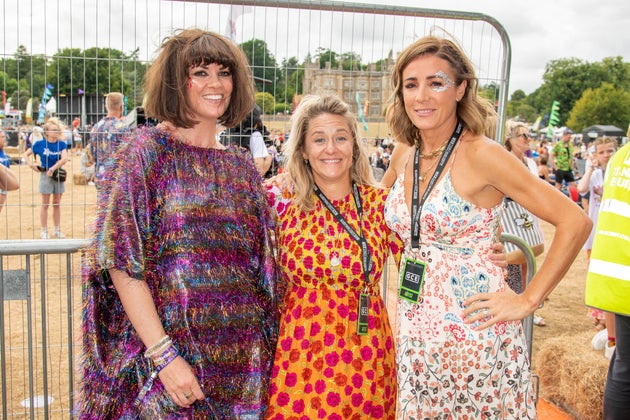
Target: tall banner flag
x=28, y=114
x=554, y=118
x=42, y=105
x=236, y=11
x=361, y=115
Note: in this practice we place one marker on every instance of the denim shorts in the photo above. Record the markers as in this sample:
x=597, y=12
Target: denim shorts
x=48, y=186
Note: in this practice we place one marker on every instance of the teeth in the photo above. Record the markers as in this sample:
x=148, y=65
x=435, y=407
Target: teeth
x=213, y=97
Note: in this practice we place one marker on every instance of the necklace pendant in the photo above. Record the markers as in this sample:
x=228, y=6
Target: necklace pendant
x=334, y=258
x=421, y=178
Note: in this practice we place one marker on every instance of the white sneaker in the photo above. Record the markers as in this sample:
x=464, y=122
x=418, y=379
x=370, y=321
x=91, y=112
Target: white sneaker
x=43, y=235
x=58, y=234
x=608, y=351
x=600, y=340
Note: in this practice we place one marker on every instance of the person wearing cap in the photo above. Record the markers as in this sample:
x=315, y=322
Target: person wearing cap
x=561, y=160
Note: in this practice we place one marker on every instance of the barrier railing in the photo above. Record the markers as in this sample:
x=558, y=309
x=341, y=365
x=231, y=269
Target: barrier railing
x=41, y=293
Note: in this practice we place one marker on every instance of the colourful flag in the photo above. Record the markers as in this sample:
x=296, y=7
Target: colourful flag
x=361, y=116
x=235, y=12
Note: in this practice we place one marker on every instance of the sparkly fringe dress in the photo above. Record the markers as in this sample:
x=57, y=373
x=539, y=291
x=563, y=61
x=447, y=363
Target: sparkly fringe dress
x=193, y=223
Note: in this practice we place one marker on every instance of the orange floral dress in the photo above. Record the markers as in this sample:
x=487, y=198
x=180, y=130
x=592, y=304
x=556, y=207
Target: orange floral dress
x=322, y=367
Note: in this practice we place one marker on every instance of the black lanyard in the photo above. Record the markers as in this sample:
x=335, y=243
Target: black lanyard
x=416, y=205
x=365, y=250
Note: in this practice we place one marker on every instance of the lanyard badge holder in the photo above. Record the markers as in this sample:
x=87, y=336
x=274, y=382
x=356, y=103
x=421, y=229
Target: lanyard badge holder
x=364, y=298
x=413, y=271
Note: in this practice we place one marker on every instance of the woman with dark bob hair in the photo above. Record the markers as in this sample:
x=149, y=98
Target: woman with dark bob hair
x=180, y=314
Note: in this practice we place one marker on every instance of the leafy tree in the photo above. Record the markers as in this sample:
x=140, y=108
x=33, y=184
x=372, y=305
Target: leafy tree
x=266, y=102
x=605, y=105
x=325, y=55
x=290, y=80
x=518, y=95
x=262, y=62
x=351, y=61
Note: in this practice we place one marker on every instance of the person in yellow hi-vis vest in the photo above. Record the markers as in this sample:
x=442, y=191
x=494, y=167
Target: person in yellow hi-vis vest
x=608, y=281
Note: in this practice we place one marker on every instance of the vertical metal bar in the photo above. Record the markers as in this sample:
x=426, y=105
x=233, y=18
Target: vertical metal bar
x=70, y=333
x=29, y=317
x=3, y=358
x=42, y=265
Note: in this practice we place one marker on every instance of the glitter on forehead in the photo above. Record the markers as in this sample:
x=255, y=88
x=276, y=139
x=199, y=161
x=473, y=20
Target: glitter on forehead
x=448, y=82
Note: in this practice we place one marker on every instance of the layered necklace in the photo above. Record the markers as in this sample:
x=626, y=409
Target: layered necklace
x=433, y=155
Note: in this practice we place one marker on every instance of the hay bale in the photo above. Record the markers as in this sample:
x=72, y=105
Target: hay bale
x=79, y=179
x=572, y=374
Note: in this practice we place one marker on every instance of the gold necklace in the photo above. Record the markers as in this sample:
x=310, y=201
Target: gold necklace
x=423, y=176
x=434, y=153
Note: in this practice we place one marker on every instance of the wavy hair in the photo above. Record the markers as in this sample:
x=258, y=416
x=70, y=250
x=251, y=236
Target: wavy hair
x=312, y=106
x=512, y=130
x=470, y=109
x=167, y=78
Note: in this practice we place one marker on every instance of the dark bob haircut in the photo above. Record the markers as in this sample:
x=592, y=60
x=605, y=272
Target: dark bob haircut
x=167, y=77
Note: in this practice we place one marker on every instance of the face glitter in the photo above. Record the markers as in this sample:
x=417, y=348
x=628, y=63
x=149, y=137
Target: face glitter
x=448, y=82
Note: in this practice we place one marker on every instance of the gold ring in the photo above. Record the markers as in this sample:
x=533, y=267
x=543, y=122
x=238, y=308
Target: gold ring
x=187, y=396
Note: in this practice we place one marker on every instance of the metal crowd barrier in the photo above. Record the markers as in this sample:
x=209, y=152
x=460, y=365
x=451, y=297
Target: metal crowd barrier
x=40, y=288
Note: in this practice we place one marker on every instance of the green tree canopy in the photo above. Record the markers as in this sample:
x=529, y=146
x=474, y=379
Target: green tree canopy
x=262, y=62
x=605, y=105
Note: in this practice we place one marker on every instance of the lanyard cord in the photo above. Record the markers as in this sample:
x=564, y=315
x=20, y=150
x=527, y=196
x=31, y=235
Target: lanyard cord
x=416, y=204
x=366, y=259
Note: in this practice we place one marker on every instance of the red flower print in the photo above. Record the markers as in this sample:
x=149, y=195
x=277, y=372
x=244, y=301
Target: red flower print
x=315, y=329
x=342, y=310
x=346, y=356
x=285, y=344
x=328, y=372
x=366, y=353
x=283, y=399
x=377, y=412
x=340, y=330
x=345, y=262
x=318, y=364
x=333, y=399
x=320, y=386
x=458, y=332
x=357, y=364
x=357, y=400
x=306, y=374
x=329, y=339
x=332, y=359
x=273, y=388
x=316, y=402
x=298, y=406
x=294, y=355
x=299, y=331
x=340, y=379
x=308, y=262
x=316, y=346
x=290, y=380
x=357, y=381
x=308, y=388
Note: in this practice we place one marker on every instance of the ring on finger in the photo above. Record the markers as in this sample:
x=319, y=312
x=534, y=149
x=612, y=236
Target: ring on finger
x=187, y=396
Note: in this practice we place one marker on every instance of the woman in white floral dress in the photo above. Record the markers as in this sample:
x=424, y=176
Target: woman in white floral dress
x=461, y=351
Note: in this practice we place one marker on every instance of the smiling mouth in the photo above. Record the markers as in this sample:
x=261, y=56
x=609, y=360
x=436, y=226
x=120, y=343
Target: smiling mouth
x=213, y=97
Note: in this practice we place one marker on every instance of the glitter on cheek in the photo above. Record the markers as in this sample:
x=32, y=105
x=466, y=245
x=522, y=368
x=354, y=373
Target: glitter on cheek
x=448, y=82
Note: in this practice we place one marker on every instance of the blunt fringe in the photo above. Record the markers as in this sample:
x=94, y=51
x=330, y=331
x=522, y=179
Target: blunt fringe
x=167, y=77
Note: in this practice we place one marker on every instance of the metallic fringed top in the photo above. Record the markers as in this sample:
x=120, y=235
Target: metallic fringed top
x=194, y=224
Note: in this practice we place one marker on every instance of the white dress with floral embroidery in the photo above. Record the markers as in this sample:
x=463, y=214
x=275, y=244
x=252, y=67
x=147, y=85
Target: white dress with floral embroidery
x=446, y=370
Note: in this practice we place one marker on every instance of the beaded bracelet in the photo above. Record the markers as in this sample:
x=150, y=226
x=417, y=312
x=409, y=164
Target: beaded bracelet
x=158, y=347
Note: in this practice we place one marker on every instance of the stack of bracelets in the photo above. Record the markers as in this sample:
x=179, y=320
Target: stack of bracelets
x=161, y=354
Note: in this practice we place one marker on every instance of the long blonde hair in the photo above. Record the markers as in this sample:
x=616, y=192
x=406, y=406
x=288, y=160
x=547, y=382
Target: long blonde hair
x=312, y=106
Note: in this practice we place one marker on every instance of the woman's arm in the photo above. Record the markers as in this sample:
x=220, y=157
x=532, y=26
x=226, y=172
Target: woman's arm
x=8, y=179
x=135, y=296
x=501, y=173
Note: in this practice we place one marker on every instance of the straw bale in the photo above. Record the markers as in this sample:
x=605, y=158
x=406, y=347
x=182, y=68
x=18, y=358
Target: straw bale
x=572, y=374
